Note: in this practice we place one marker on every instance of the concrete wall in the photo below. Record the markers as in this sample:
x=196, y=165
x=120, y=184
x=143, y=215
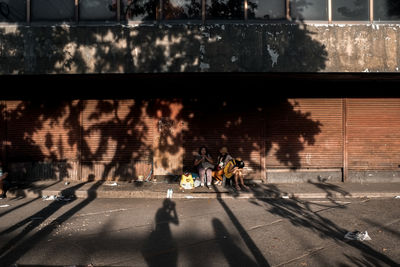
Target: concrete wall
x=199, y=48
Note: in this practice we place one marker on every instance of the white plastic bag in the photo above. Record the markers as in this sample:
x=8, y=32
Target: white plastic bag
x=357, y=235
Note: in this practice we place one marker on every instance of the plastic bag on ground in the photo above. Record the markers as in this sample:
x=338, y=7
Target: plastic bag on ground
x=357, y=235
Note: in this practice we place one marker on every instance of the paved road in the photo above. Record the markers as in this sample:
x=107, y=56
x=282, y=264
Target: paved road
x=198, y=232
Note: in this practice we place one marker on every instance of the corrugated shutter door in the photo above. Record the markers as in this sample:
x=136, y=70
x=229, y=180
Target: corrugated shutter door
x=42, y=139
x=41, y=130
x=237, y=127
x=373, y=133
x=304, y=133
x=117, y=139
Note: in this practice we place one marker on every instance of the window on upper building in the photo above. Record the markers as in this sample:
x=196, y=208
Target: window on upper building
x=309, y=9
x=350, y=10
x=225, y=9
x=95, y=10
x=386, y=10
x=181, y=9
x=13, y=10
x=53, y=10
x=266, y=10
x=140, y=10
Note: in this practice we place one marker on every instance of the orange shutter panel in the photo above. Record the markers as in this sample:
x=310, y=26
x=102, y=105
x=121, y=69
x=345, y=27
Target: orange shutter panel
x=304, y=133
x=373, y=129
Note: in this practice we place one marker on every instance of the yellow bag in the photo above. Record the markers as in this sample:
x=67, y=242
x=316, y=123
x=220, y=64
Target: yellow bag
x=187, y=181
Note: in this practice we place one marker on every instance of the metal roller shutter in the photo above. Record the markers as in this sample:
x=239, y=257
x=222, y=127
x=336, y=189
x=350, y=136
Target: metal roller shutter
x=227, y=123
x=117, y=139
x=42, y=139
x=304, y=133
x=42, y=130
x=373, y=134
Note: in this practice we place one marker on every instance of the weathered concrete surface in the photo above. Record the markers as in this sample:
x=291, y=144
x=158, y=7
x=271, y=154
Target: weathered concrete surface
x=71, y=49
x=197, y=232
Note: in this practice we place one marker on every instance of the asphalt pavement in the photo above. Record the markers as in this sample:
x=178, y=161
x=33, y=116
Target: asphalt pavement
x=220, y=231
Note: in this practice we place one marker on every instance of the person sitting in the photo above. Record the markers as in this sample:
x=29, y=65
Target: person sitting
x=222, y=160
x=4, y=183
x=234, y=168
x=204, y=164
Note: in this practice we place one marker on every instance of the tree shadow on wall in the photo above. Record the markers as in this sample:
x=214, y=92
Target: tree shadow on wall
x=59, y=139
x=163, y=47
x=62, y=139
x=249, y=127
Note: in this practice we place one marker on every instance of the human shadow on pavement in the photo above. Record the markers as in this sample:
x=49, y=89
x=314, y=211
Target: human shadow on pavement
x=234, y=255
x=17, y=246
x=160, y=249
x=300, y=214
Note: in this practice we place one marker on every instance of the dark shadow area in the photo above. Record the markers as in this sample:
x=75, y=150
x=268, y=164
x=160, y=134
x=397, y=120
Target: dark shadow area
x=386, y=10
x=300, y=214
x=17, y=246
x=160, y=249
x=188, y=85
x=330, y=189
x=233, y=254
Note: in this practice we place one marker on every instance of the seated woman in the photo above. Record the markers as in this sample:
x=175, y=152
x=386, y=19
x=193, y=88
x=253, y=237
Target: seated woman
x=222, y=160
x=204, y=164
x=235, y=168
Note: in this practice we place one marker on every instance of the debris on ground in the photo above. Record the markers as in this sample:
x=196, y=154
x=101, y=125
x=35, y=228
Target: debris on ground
x=4, y=206
x=113, y=184
x=57, y=198
x=357, y=235
x=53, y=197
x=169, y=193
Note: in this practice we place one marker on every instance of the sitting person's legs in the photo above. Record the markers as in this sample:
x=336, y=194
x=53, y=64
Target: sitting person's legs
x=239, y=176
x=209, y=176
x=202, y=174
x=218, y=176
x=4, y=185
